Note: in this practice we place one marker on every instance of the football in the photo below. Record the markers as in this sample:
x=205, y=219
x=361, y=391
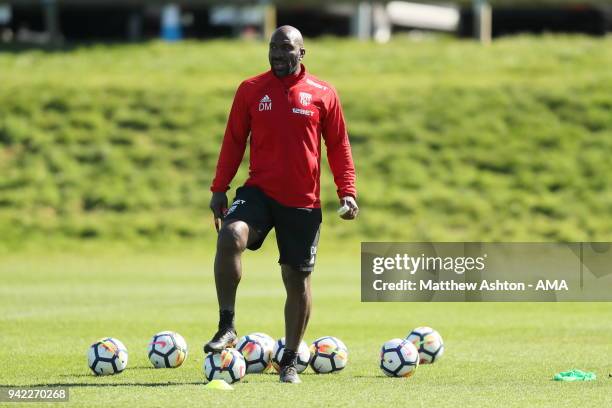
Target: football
x=429, y=344
x=257, y=352
x=228, y=365
x=399, y=358
x=107, y=356
x=303, y=355
x=329, y=355
x=266, y=339
x=167, y=349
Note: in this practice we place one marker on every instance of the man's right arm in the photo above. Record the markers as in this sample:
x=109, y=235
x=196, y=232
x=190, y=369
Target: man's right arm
x=234, y=143
x=232, y=151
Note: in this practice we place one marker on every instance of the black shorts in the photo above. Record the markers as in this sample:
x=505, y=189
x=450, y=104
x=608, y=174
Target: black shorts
x=297, y=229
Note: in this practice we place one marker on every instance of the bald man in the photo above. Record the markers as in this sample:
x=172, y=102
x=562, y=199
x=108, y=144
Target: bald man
x=283, y=114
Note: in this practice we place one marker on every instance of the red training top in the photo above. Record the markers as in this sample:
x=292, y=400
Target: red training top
x=286, y=118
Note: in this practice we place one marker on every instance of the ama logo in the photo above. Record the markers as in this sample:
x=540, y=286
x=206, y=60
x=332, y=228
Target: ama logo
x=265, y=104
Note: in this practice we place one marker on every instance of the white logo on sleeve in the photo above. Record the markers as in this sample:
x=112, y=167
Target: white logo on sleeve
x=305, y=98
x=265, y=104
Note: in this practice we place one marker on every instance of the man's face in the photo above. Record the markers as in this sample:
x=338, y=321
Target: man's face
x=285, y=54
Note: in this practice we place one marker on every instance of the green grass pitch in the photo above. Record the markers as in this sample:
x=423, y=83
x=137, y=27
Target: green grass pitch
x=55, y=305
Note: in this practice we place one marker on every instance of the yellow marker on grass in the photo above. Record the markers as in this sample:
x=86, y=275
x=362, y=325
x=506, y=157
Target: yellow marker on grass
x=219, y=385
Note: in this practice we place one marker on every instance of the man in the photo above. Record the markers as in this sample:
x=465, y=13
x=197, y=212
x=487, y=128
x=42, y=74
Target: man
x=285, y=111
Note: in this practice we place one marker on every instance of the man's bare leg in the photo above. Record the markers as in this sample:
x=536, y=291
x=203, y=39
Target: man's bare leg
x=297, y=314
x=234, y=237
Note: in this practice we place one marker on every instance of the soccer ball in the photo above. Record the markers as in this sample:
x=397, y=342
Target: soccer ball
x=107, y=356
x=266, y=339
x=428, y=342
x=167, y=350
x=399, y=358
x=303, y=355
x=256, y=351
x=228, y=365
x=329, y=354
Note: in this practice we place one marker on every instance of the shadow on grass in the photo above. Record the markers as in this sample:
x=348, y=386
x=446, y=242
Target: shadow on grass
x=382, y=377
x=80, y=375
x=85, y=385
x=92, y=376
x=76, y=375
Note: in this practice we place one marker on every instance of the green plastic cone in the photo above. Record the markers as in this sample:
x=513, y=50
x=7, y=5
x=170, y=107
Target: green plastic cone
x=574, y=375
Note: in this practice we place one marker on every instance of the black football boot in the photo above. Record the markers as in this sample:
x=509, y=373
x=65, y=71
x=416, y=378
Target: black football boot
x=288, y=368
x=226, y=335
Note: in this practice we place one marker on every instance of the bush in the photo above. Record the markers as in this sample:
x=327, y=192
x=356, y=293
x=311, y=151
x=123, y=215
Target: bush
x=452, y=141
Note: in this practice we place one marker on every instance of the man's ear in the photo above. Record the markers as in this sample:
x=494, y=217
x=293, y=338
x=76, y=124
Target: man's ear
x=302, y=53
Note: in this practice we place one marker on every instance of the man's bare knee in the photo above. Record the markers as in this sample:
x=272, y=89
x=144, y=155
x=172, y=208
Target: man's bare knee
x=295, y=278
x=233, y=237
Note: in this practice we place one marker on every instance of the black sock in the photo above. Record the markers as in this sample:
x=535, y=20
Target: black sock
x=289, y=358
x=226, y=319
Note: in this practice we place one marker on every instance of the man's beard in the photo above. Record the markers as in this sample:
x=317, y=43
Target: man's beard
x=283, y=68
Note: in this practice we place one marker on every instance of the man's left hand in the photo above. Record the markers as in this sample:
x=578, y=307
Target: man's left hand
x=353, y=209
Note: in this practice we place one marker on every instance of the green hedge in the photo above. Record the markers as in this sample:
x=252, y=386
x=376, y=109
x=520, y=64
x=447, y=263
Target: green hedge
x=452, y=141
